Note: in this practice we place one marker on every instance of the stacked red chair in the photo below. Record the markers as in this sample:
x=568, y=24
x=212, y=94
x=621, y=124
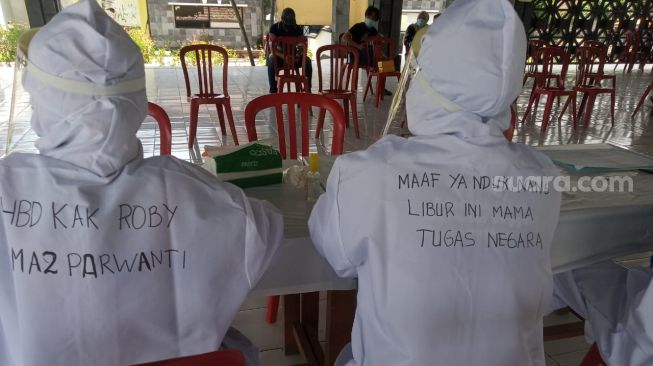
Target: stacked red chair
x=589, y=81
x=550, y=84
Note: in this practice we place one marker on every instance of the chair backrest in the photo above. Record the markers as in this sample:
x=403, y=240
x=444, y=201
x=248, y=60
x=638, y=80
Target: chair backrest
x=343, y=66
x=165, y=131
x=591, y=61
x=594, y=43
x=294, y=51
x=382, y=49
x=221, y=358
x=534, y=53
x=305, y=101
x=550, y=57
x=204, y=56
x=534, y=45
x=633, y=40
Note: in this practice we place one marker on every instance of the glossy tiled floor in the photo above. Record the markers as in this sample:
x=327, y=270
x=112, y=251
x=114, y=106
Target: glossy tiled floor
x=166, y=87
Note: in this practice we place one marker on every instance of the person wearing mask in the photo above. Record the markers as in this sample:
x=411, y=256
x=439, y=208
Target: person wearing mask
x=108, y=258
x=422, y=19
x=451, y=271
x=416, y=44
x=287, y=27
x=358, y=33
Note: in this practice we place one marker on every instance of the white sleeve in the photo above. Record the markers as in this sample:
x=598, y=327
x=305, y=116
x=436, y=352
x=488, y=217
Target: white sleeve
x=263, y=236
x=324, y=225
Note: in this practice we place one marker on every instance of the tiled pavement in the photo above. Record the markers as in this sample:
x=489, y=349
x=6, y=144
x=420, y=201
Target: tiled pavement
x=165, y=87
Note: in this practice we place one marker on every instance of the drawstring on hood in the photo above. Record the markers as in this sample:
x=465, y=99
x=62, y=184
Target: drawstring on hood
x=93, y=120
x=473, y=57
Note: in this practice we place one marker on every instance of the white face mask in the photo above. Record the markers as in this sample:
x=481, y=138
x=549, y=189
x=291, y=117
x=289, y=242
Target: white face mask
x=371, y=23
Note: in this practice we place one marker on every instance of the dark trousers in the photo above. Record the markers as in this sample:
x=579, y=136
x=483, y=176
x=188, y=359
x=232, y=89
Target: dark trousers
x=271, y=75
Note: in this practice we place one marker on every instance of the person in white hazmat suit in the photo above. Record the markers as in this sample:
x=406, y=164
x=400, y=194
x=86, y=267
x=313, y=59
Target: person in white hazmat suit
x=450, y=246
x=616, y=304
x=107, y=258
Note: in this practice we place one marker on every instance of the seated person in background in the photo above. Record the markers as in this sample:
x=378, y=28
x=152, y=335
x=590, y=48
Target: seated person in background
x=422, y=19
x=451, y=271
x=617, y=304
x=358, y=33
x=416, y=44
x=287, y=27
x=109, y=258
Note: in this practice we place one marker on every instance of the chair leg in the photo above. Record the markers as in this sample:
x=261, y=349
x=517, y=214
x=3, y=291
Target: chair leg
x=547, y=112
x=583, y=102
x=573, y=115
x=320, y=122
x=354, y=115
x=642, y=99
x=272, y=309
x=368, y=87
x=564, y=108
x=589, y=109
x=528, y=108
x=380, y=81
x=612, y=102
x=232, y=125
x=194, y=111
x=345, y=108
x=221, y=119
x=593, y=357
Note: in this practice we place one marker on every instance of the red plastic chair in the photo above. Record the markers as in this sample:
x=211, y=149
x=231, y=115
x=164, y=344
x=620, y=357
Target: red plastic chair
x=290, y=68
x=204, y=56
x=642, y=99
x=535, y=47
x=589, y=78
x=593, y=357
x=217, y=358
x=305, y=101
x=165, y=131
x=551, y=85
x=343, y=82
x=631, y=52
x=379, y=45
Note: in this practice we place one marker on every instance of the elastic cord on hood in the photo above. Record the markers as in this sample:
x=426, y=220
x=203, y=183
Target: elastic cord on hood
x=474, y=56
x=93, y=130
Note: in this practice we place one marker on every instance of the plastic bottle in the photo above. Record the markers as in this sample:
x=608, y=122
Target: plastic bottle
x=313, y=182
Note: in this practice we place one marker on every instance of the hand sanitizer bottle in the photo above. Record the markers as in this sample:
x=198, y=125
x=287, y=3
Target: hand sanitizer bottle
x=313, y=182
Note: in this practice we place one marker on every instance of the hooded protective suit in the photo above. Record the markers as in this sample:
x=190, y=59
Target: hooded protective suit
x=616, y=303
x=107, y=258
x=451, y=255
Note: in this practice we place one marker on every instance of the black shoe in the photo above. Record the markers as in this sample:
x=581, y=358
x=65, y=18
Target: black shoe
x=387, y=92
x=273, y=91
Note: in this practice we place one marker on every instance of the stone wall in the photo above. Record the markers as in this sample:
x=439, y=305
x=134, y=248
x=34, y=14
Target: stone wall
x=423, y=5
x=163, y=31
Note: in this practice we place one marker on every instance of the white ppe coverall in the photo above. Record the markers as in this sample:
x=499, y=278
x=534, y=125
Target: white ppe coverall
x=449, y=231
x=107, y=258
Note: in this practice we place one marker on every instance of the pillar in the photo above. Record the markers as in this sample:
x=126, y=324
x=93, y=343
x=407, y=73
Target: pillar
x=340, y=15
